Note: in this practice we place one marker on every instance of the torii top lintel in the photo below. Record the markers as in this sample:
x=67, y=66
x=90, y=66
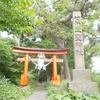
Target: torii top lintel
x=28, y=50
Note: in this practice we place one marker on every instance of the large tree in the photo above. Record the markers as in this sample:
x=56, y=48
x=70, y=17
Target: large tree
x=57, y=17
x=16, y=16
x=54, y=19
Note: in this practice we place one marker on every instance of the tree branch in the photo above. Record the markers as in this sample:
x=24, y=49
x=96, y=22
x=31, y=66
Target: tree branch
x=55, y=2
x=67, y=18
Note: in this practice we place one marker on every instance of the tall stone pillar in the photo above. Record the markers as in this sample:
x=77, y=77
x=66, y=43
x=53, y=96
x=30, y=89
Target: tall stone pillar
x=81, y=79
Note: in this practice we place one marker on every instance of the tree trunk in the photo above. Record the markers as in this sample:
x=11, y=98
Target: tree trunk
x=17, y=38
x=48, y=78
x=38, y=79
x=64, y=57
x=66, y=67
x=62, y=72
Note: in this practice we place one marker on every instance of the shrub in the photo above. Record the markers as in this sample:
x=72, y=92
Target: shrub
x=96, y=78
x=10, y=91
x=59, y=93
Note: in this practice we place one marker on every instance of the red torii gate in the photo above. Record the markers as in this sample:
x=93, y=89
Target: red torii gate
x=54, y=60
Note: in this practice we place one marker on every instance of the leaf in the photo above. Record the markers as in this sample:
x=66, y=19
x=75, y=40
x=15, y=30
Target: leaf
x=72, y=91
x=66, y=98
x=87, y=98
x=59, y=97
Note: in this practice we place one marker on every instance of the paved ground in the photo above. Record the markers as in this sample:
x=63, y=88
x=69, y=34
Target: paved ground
x=39, y=93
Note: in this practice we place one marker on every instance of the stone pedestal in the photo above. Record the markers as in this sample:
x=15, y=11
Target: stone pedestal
x=81, y=81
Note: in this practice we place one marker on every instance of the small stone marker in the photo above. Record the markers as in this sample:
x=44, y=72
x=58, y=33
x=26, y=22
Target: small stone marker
x=81, y=79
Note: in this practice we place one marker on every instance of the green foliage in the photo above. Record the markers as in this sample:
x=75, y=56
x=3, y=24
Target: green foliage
x=5, y=55
x=96, y=78
x=16, y=16
x=58, y=93
x=58, y=21
x=12, y=92
x=9, y=67
x=46, y=43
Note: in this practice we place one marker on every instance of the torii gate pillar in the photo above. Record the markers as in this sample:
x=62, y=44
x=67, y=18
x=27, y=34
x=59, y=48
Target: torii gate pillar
x=55, y=78
x=24, y=76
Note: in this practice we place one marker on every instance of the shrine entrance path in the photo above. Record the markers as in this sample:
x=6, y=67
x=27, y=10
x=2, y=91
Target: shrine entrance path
x=39, y=93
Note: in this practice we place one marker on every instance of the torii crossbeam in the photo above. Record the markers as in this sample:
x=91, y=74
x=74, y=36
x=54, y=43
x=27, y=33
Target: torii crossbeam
x=27, y=51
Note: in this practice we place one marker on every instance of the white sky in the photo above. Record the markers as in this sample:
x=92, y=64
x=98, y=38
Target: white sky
x=4, y=34
x=96, y=64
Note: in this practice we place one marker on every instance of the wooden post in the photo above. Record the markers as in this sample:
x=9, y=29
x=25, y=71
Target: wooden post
x=24, y=77
x=54, y=66
x=55, y=77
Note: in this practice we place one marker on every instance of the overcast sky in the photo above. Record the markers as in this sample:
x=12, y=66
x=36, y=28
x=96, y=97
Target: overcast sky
x=96, y=63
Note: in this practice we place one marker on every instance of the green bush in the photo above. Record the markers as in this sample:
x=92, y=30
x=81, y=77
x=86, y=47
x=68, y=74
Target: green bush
x=60, y=93
x=9, y=67
x=96, y=78
x=10, y=91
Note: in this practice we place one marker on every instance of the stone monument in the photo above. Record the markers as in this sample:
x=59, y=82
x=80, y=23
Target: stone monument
x=81, y=79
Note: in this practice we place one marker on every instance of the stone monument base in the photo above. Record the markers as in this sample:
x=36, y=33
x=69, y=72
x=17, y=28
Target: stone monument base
x=81, y=81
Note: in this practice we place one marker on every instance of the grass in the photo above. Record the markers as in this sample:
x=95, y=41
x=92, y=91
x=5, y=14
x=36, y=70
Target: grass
x=9, y=91
x=60, y=93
